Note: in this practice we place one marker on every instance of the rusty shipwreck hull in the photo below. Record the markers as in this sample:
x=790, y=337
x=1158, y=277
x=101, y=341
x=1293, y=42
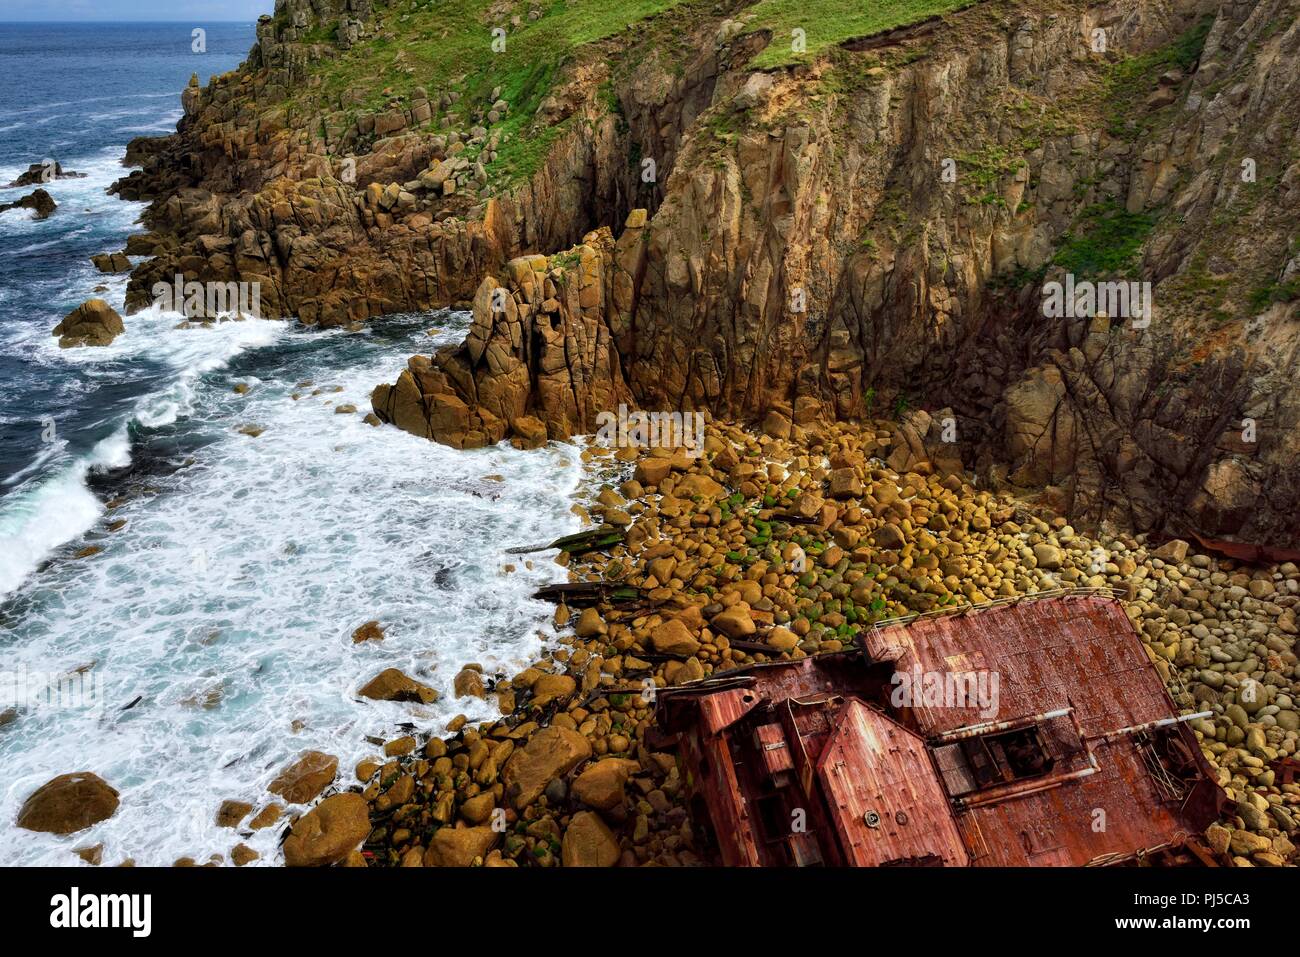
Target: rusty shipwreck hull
x=896, y=754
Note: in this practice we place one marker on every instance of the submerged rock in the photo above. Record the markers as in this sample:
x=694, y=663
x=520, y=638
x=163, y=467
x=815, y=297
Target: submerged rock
x=370, y=631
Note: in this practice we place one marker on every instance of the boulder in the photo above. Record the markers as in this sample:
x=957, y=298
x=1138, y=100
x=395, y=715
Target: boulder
x=469, y=684
x=588, y=842
x=111, y=262
x=329, y=832
x=1218, y=837
x=549, y=687
x=699, y=487
x=266, y=817
x=550, y=753
x=777, y=425
x=845, y=484
x=93, y=323
x=782, y=639
x=232, y=812
x=808, y=505
x=1047, y=556
x=392, y=685
x=242, y=854
x=590, y=624
x=459, y=846
x=735, y=622
x=755, y=90
x=479, y=808
x=1174, y=550
x=601, y=785
x=1244, y=843
x=673, y=638
x=93, y=854
x=888, y=537
x=306, y=777
x=529, y=432
x=68, y=803
x=652, y=471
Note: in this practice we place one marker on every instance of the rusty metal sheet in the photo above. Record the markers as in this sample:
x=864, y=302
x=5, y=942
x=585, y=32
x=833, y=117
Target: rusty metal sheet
x=1115, y=811
x=722, y=710
x=774, y=749
x=1069, y=666
x=1247, y=552
x=874, y=768
x=712, y=775
x=1048, y=654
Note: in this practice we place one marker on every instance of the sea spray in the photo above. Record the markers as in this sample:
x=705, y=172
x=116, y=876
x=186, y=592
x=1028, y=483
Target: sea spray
x=226, y=601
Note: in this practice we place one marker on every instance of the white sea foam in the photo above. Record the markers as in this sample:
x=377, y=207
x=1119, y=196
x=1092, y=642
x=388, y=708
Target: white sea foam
x=51, y=505
x=228, y=600
x=48, y=513
x=82, y=202
x=37, y=521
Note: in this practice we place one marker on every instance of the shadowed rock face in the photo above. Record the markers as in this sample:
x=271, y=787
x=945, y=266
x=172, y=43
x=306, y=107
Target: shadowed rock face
x=39, y=201
x=804, y=253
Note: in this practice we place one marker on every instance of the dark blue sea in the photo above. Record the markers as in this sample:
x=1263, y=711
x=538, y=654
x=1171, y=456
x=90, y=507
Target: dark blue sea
x=193, y=519
x=75, y=93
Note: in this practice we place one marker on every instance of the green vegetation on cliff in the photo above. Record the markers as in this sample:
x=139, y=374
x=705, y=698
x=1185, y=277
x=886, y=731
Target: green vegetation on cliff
x=452, y=48
x=1133, y=79
x=1105, y=242
x=830, y=22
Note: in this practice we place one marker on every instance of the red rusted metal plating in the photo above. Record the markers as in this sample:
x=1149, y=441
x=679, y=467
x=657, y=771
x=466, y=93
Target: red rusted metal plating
x=1247, y=552
x=1070, y=752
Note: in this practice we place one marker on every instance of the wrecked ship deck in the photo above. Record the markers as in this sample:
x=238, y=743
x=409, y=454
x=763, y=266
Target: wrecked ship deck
x=1028, y=733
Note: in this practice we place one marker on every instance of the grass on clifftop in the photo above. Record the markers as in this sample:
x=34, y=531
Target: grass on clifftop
x=829, y=22
x=449, y=47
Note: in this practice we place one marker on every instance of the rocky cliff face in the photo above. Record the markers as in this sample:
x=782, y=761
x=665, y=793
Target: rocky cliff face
x=863, y=235
x=540, y=359
x=343, y=209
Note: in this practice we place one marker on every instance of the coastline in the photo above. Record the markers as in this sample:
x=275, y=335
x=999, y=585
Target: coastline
x=571, y=771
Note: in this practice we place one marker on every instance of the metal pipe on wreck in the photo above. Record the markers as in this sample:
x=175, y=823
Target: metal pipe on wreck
x=987, y=727
x=1150, y=725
